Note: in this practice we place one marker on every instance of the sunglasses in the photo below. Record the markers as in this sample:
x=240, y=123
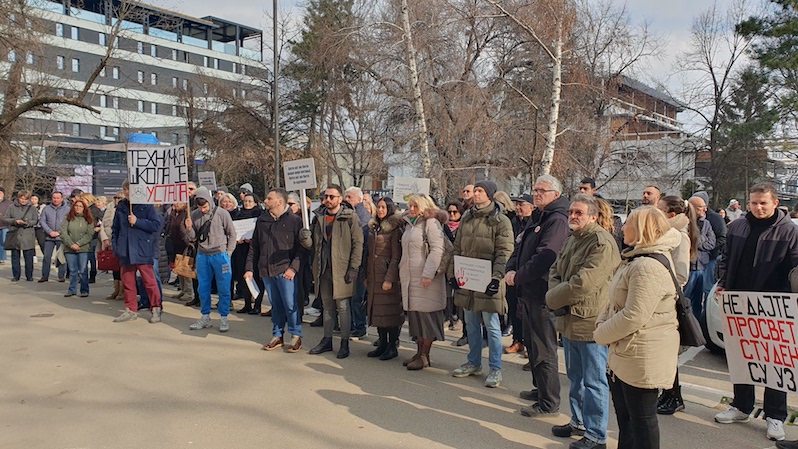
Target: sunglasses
x=118, y=197
x=329, y=197
x=454, y=211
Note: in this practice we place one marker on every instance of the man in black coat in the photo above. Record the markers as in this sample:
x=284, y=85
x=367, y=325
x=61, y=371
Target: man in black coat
x=536, y=250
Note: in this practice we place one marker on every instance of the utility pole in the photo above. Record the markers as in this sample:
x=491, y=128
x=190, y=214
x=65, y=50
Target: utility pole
x=275, y=105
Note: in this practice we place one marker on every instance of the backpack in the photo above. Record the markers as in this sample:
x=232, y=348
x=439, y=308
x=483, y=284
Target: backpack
x=448, y=249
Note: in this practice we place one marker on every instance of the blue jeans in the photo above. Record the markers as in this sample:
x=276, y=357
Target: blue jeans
x=49, y=247
x=282, y=294
x=216, y=266
x=358, y=306
x=473, y=322
x=78, y=269
x=16, y=269
x=3, y=233
x=144, y=301
x=694, y=290
x=586, y=366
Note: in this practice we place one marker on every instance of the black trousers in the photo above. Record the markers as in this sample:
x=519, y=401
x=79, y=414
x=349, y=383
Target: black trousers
x=513, y=315
x=540, y=339
x=636, y=410
x=775, y=406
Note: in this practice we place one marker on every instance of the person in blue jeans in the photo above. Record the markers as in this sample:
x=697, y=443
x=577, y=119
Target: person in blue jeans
x=77, y=232
x=50, y=220
x=20, y=218
x=215, y=235
x=579, y=282
x=275, y=253
x=5, y=203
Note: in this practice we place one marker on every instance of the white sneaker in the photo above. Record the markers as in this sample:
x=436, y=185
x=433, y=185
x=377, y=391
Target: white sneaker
x=732, y=415
x=127, y=315
x=156, y=315
x=312, y=311
x=201, y=323
x=224, y=326
x=775, y=429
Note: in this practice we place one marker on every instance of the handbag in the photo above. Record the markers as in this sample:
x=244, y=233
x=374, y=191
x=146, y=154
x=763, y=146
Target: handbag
x=690, y=333
x=107, y=261
x=185, y=265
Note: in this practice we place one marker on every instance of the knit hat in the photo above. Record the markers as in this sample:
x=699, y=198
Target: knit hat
x=733, y=202
x=703, y=195
x=222, y=189
x=245, y=188
x=488, y=186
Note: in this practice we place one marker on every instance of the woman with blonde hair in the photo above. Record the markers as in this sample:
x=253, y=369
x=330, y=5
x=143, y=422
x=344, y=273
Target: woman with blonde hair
x=423, y=288
x=640, y=327
x=91, y=202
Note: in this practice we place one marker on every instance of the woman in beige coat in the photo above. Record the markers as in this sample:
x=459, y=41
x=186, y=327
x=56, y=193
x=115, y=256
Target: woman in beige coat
x=640, y=327
x=423, y=288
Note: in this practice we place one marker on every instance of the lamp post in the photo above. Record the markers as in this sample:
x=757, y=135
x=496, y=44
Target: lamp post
x=275, y=105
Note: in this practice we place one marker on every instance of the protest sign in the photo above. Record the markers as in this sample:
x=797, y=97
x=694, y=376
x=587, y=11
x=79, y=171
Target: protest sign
x=404, y=188
x=300, y=174
x=244, y=228
x=157, y=175
x=207, y=179
x=472, y=274
x=759, y=335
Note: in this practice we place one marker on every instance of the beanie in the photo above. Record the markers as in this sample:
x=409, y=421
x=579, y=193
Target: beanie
x=488, y=186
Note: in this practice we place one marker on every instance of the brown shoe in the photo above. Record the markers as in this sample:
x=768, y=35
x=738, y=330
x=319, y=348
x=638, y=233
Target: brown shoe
x=514, y=348
x=268, y=313
x=276, y=342
x=294, y=345
x=43, y=280
x=420, y=363
x=411, y=359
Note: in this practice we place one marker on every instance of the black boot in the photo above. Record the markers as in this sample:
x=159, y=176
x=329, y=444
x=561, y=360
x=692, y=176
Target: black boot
x=318, y=322
x=393, y=340
x=325, y=345
x=670, y=402
x=344, y=351
x=380, y=350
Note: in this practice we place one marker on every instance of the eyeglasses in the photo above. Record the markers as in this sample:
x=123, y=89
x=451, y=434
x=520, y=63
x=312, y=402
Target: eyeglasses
x=453, y=211
x=542, y=191
x=191, y=189
x=329, y=197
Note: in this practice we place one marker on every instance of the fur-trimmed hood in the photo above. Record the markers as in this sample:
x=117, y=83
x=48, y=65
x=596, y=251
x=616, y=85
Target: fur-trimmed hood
x=387, y=225
x=438, y=214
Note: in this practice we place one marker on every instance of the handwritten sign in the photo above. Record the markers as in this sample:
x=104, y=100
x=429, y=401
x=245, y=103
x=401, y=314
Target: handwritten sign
x=158, y=175
x=759, y=331
x=472, y=274
x=300, y=174
x=404, y=188
x=207, y=179
x=244, y=228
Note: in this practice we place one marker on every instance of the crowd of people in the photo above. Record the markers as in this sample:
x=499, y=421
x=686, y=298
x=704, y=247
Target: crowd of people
x=563, y=272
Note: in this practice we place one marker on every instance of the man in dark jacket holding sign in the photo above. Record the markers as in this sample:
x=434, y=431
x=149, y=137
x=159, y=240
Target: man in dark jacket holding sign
x=761, y=250
x=537, y=248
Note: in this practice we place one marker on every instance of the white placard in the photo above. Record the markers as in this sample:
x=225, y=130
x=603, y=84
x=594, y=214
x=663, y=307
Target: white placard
x=207, y=179
x=158, y=175
x=253, y=288
x=300, y=174
x=404, y=188
x=472, y=274
x=244, y=228
x=759, y=332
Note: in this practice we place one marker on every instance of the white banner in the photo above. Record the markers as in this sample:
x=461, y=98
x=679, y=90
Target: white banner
x=472, y=274
x=404, y=188
x=759, y=332
x=244, y=228
x=158, y=175
x=300, y=174
x=207, y=179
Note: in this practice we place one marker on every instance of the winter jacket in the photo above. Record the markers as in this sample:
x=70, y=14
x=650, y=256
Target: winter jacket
x=26, y=235
x=384, y=308
x=175, y=228
x=108, y=221
x=345, y=248
x=417, y=263
x=51, y=219
x=706, y=245
x=78, y=231
x=537, y=248
x=275, y=245
x=134, y=245
x=4, y=205
x=485, y=234
x=222, y=233
x=239, y=257
x=681, y=254
x=639, y=324
x=580, y=280
x=776, y=255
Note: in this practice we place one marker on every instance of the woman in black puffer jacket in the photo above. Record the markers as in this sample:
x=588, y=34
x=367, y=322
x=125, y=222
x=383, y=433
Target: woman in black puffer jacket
x=249, y=211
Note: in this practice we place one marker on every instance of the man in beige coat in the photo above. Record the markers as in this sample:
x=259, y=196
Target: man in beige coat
x=578, y=291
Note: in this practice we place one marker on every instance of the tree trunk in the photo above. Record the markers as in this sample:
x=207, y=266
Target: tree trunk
x=554, y=109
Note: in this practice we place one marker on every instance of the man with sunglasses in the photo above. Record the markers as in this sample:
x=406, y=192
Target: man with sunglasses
x=336, y=240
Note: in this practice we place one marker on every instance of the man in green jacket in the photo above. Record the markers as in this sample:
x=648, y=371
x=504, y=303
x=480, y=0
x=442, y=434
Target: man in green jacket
x=579, y=285
x=485, y=233
x=336, y=240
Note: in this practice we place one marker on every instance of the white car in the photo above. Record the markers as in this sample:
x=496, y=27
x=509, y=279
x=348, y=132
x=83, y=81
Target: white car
x=712, y=324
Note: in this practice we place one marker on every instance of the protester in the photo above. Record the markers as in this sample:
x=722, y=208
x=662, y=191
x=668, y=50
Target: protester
x=96, y=213
x=468, y=196
x=524, y=205
x=700, y=271
x=454, y=211
x=578, y=291
x=5, y=203
x=175, y=228
x=41, y=237
x=423, y=287
x=77, y=233
x=720, y=229
x=354, y=196
x=249, y=211
x=275, y=252
x=106, y=231
x=734, y=211
x=761, y=250
x=20, y=218
x=243, y=191
x=651, y=196
x=588, y=187
x=52, y=217
x=384, y=309
x=336, y=240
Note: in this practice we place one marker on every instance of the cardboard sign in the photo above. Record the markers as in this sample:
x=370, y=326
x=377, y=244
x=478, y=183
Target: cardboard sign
x=300, y=174
x=207, y=179
x=158, y=175
x=244, y=228
x=759, y=332
x=472, y=274
x=404, y=188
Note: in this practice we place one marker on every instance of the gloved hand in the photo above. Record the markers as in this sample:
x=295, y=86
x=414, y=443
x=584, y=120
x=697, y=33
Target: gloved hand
x=305, y=234
x=351, y=275
x=493, y=287
x=454, y=284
